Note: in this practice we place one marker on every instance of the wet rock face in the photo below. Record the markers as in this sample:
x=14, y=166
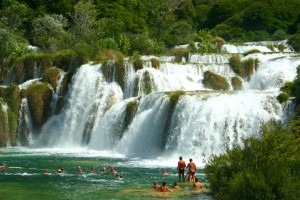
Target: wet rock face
x=215, y=81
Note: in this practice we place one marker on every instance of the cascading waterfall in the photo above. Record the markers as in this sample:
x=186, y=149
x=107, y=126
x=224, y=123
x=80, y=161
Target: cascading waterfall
x=57, y=92
x=88, y=99
x=201, y=123
x=24, y=131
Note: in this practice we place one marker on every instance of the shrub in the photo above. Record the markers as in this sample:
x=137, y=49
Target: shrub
x=282, y=97
x=108, y=54
x=215, y=81
x=265, y=168
x=294, y=41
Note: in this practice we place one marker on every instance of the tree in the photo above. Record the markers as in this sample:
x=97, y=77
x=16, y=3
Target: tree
x=49, y=31
x=13, y=14
x=84, y=18
x=160, y=9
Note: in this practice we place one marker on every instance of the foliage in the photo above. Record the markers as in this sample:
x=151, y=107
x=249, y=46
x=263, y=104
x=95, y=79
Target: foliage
x=282, y=97
x=205, y=39
x=179, y=33
x=51, y=76
x=294, y=41
x=264, y=168
x=49, y=32
x=215, y=81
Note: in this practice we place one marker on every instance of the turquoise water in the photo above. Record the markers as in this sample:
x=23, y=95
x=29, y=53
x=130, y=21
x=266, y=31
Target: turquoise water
x=24, y=178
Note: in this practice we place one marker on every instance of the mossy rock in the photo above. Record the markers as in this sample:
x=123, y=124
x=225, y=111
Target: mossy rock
x=215, y=81
x=11, y=96
x=174, y=97
x=131, y=110
x=235, y=64
x=236, y=83
x=249, y=68
x=155, y=63
x=180, y=53
x=51, y=76
x=63, y=59
x=39, y=98
x=19, y=71
x=46, y=62
x=138, y=64
x=252, y=52
x=3, y=127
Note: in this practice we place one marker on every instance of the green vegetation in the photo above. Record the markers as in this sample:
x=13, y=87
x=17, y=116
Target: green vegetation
x=265, y=168
x=244, y=69
x=11, y=97
x=39, y=97
x=215, y=81
x=51, y=76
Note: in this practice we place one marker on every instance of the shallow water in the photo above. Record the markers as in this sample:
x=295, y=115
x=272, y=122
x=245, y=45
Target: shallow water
x=24, y=178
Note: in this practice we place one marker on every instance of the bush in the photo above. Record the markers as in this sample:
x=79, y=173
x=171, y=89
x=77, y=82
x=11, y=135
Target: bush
x=282, y=97
x=265, y=168
x=294, y=41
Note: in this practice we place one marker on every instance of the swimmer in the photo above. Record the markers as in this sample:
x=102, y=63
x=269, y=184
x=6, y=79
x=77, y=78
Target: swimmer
x=155, y=185
x=197, y=184
x=102, y=169
x=164, y=172
x=112, y=170
x=92, y=169
x=46, y=172
x=2, y=166
x=164, y=188
x=79, y=170
x=176, y=186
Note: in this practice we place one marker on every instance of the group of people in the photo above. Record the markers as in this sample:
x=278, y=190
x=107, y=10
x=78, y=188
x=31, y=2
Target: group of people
x=191, y=173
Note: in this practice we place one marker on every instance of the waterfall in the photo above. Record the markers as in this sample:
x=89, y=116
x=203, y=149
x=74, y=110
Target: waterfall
x=57, y=92
x=89, y=97
x=24, y=131
x=146, y=119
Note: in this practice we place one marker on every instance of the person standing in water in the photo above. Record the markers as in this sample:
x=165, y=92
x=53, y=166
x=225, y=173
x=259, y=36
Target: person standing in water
x=192, y=170
x=79, y=170
x=180, y=169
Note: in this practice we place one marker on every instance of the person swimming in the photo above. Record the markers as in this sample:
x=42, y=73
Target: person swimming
x=164, y=188
x=155, y=185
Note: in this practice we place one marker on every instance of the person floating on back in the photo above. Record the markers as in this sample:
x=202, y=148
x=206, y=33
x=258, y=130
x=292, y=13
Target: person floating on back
x=180, y=169
x=164, y=188
x=192, y=170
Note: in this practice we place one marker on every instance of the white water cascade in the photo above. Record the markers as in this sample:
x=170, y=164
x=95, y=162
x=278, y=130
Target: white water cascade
x=24, y=131
x=203, y=122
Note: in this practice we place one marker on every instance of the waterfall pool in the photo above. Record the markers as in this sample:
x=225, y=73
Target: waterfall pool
x=24, y=179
